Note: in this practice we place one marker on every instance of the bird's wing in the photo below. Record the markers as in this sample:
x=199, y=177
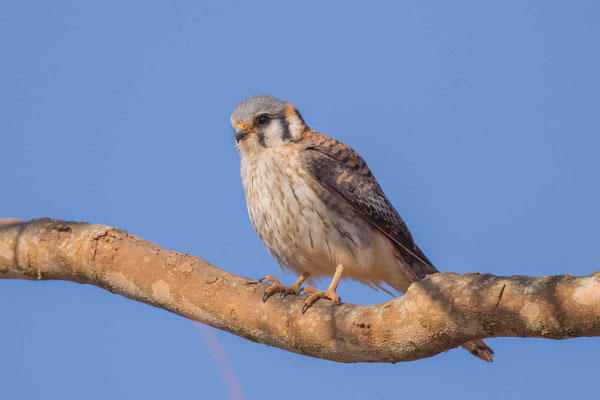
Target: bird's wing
x=340, y=170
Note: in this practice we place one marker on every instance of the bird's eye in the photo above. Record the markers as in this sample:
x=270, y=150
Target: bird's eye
x=263, y=120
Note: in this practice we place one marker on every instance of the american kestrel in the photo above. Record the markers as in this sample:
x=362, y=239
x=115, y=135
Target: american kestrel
x=318, y=208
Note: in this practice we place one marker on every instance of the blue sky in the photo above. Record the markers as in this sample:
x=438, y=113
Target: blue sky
x=480, y=120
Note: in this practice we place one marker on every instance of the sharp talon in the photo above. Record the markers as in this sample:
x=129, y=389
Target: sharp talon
x=265, y=296
x=282, y=295
x=262, y=279
x=304, y=308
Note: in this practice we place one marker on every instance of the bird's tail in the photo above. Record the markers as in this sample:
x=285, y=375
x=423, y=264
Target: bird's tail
x=417, y=271
x=479, y=349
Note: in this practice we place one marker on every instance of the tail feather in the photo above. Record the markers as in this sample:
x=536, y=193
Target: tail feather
x=479, y=349
x=416, y=271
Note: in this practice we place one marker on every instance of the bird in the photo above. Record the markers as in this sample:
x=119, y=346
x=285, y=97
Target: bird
x=317, y=207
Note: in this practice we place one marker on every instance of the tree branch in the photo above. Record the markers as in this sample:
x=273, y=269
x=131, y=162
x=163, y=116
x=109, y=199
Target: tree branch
x=436, y=314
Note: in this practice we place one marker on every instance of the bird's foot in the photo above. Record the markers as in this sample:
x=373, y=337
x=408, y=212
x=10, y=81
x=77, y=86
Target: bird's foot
x=318, y=294
x=277, y=287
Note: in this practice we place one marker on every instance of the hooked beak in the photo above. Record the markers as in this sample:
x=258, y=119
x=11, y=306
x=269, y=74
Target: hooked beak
x=241, y=131
x=240, y=134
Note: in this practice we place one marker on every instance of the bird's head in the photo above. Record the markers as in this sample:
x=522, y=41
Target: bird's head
x=262, y=121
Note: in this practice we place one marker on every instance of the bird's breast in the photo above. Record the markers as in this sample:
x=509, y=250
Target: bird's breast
x=285, y=211
x=305, y=227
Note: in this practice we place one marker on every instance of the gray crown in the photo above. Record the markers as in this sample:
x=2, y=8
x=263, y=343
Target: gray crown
x=258, y=104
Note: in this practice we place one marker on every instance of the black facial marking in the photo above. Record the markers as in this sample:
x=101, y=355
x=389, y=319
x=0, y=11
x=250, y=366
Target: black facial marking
x=286, y=135
x=261, y=139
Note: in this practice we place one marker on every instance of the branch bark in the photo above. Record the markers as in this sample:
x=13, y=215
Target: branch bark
x=436, y=314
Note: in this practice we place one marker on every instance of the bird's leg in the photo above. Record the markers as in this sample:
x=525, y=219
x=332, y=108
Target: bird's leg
x=278, y=287
x=295, y=287
x=328, y=294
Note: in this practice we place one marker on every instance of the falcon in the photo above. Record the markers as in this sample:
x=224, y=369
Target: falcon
x=319, y=210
